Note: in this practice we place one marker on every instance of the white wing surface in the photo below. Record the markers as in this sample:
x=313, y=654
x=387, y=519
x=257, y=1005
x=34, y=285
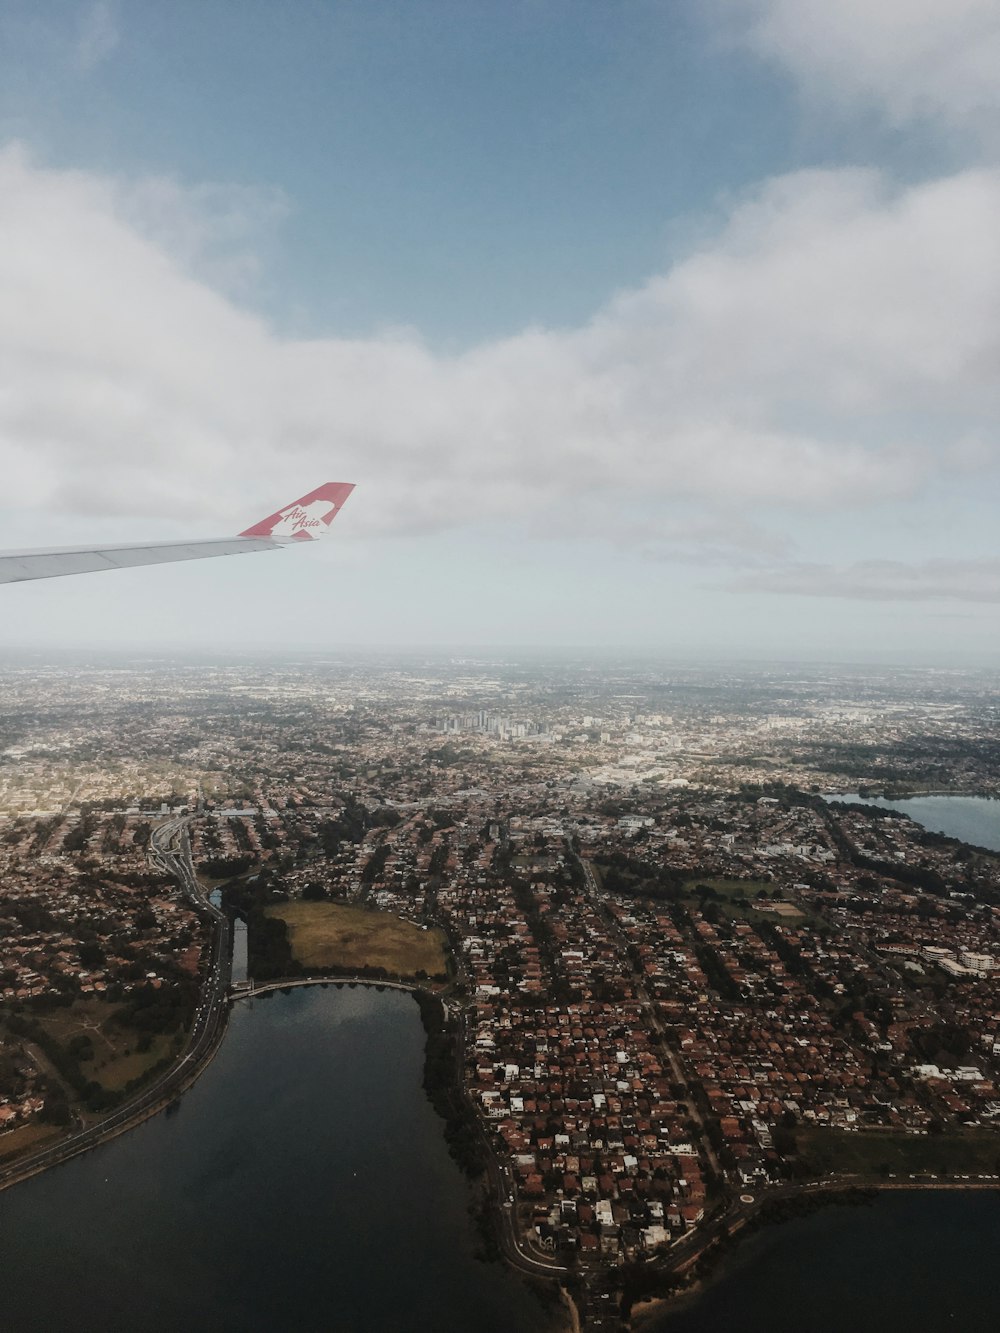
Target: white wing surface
x=302, y=520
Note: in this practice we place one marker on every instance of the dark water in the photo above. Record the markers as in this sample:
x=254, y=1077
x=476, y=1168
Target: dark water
x=908, y=1263
x=974, y=819
x=302, y=1184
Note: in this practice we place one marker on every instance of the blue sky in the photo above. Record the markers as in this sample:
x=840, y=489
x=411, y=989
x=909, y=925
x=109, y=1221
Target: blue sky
x=660, y=325
x=465, y=169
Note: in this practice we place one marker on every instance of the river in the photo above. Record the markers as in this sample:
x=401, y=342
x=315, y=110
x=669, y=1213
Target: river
x=303, y=1183
x=973, y=819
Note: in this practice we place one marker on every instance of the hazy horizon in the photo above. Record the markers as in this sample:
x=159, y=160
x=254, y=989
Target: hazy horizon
x=485, y=653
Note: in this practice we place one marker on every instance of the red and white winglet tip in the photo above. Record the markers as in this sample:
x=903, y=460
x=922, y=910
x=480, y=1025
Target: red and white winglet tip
x=304, y=519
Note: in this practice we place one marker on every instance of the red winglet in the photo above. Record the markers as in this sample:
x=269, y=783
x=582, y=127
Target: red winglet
x=307, y=518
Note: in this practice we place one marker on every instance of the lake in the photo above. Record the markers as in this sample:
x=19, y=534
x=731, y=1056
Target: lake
x=303, y=1183
x=907, y=1263
x=974, y=819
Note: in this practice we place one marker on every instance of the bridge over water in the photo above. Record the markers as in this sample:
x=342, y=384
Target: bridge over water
x=247, y=990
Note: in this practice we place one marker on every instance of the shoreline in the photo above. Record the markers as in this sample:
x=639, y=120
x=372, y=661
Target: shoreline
x=912, y=796
x=176, y=1080
x=703, y=1267
x=133, y=1114
x=151, y=1102
x=692, y=1270
x=484, y=1188
x=82, y=1141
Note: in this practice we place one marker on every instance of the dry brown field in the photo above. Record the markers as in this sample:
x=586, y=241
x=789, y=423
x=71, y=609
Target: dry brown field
x=338, y=935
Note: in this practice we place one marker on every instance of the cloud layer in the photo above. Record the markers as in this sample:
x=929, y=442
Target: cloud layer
x=833, y=344
x=883, y=581
x=914, y=60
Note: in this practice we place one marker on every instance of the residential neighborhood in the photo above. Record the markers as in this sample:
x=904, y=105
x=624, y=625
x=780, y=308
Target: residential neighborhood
x=687, y=962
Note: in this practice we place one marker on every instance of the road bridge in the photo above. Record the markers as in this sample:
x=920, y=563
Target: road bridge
x=248, y=990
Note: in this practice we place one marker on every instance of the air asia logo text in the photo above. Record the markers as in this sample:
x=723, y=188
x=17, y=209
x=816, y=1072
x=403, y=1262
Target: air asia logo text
x=304, y=520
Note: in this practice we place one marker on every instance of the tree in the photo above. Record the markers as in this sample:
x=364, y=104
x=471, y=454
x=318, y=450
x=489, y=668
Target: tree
x=55, y=1109
x=92, y=955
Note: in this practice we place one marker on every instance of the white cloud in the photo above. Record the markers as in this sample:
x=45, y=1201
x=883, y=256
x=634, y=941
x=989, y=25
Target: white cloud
x=98, y=34
x=915, y=60
x=834, y=344
x=883, y=580
x=210, y=230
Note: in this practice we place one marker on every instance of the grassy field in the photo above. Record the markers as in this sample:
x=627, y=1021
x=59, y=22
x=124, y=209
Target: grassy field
x=116, y=1072
x=732, y=888
x=878, y=1154
x=116, y=1059
x=25, y=1137
x=335, y=935
x=735, y=898
x=729, y=890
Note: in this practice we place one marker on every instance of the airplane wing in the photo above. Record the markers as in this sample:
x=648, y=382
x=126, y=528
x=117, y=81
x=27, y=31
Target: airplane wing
x=302, y=520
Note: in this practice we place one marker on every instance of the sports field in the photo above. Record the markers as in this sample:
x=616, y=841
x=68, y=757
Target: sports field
x=739, y=899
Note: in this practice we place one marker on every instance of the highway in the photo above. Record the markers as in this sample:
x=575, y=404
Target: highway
x=169, y=851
